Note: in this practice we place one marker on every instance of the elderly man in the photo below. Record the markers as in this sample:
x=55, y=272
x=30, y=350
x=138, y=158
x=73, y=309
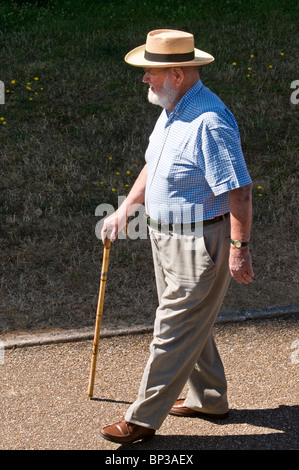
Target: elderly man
x=197, y=195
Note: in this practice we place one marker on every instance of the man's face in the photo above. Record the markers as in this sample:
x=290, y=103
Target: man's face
x=160, y=90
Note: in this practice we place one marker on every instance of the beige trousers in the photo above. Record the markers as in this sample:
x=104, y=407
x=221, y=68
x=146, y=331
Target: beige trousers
x=192, y=279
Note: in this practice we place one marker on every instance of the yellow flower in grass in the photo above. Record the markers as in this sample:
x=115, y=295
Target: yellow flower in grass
x=13, y=82
x=1, y=118
x=234, y=63
x=113, y=189
x=270, y=66
x=282, y=53
x=128, y=172
x=36, y=78
x=251, y=55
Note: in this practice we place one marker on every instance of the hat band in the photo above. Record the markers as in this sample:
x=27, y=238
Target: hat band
x=185, y=57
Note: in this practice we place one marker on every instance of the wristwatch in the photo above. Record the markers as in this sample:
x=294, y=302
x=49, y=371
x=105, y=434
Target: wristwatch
x=238, y=244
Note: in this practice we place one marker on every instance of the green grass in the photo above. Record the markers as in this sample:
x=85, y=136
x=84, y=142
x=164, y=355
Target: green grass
x=65, y=150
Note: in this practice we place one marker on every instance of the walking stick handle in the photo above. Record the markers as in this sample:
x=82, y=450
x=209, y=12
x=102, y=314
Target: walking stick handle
x=99, y=314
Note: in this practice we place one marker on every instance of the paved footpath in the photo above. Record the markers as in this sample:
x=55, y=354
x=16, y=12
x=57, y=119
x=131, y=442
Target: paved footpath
x=44, y=404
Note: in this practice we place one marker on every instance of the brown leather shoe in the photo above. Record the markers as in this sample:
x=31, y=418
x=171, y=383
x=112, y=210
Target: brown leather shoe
x=179, y=409
x=125, y=432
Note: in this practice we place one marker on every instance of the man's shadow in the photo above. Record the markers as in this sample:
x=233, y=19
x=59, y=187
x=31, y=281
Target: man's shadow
x=283, y=419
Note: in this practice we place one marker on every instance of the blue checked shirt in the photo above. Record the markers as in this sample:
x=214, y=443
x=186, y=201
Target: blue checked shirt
x=194, y=159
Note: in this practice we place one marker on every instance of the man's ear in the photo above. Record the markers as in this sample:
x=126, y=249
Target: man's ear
x=177, y=76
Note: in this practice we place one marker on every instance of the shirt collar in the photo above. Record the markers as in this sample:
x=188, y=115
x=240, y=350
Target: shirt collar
x=184, y=100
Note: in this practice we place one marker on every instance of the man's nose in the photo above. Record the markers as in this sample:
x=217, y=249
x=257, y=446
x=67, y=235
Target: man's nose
x=146, y=77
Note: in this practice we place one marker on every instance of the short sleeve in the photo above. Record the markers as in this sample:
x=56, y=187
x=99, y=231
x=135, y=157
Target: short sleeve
x=220, y=154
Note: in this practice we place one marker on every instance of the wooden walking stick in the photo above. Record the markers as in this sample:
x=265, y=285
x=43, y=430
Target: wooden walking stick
x=99, y=314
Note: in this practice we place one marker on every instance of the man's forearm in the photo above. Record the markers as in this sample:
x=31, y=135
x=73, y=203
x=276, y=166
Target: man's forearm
x=137, y=193
x=117, y=221
x=241, y=213
x=240, y=216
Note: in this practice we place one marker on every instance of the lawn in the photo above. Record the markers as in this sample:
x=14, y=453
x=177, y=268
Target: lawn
x=74, y=128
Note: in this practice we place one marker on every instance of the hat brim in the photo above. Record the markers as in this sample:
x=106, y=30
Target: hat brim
x=136, y=58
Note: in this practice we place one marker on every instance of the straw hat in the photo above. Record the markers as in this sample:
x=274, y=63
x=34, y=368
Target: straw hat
x=168, y=48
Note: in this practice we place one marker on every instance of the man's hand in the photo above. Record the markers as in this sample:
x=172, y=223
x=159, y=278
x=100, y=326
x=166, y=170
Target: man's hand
x=240, y=265
x=113, y=225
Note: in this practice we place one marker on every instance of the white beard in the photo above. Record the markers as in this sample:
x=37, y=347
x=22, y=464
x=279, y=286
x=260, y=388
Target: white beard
x=166, y=97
